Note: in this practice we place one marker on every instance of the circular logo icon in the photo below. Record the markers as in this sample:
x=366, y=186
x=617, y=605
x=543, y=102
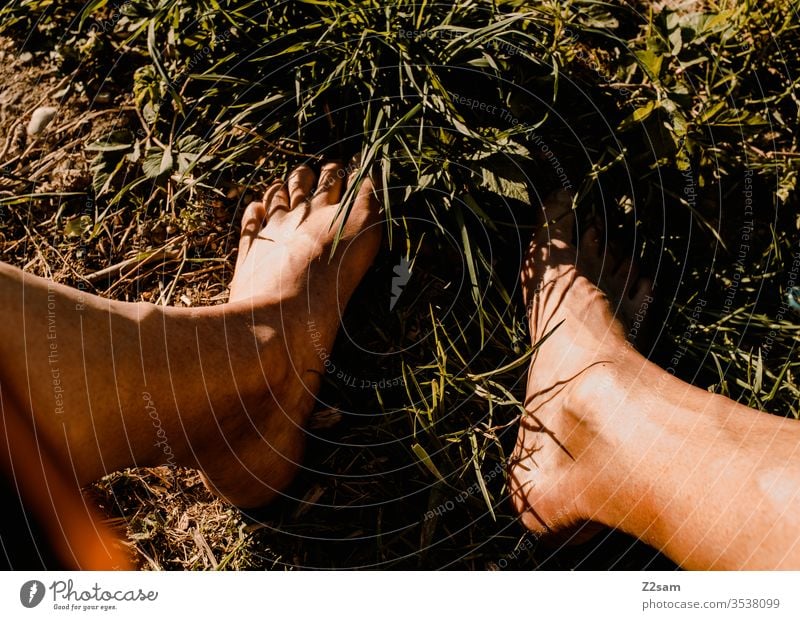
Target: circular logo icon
x=31, y=593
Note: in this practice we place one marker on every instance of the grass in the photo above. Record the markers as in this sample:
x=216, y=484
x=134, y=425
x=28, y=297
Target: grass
x=675, y=127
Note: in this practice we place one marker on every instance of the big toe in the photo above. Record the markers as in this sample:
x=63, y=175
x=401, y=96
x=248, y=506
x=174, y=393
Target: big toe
x=559, y=219
x=551, y=247
x=365, y=211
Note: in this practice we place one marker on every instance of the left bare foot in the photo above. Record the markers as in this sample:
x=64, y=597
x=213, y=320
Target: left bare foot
x=285, y=269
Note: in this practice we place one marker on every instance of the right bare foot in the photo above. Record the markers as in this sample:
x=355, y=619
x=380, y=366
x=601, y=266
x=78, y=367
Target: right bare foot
x=553, y=463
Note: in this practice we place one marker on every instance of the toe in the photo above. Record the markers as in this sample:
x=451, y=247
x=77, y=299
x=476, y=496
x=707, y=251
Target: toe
x=559, y=218
x=551, y=246
x=365, y=206
x=253, y=219
x=252, y=223
x=366, y=191
x=331, y=181
x=276, y=198
x=300, y=185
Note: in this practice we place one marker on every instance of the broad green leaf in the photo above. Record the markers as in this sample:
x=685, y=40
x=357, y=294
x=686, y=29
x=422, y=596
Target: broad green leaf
x=77, y=226
x=103, y=146
x=157, y=162
x=650, y=61
x=504, y=186
x=639, y=115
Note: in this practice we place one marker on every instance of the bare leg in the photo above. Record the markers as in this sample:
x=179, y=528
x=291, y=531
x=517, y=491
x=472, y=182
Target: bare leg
x=224, y=388
x=612, y=438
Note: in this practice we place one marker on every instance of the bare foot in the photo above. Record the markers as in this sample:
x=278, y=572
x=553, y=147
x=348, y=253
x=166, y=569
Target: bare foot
x=225, y=389
x=552, y=466
x=285, y=270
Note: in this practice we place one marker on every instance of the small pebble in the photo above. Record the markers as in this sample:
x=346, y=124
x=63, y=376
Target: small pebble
x=63, y=92
x=793, y=298
x=40, y=119
x=25, y=57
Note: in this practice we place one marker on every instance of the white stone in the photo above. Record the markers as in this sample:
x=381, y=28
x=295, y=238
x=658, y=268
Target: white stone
x=40, y=119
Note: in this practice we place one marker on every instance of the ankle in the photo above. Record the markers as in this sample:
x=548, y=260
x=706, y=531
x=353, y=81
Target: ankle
x=294, y=347
x=601, y=403
x=599, y=391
